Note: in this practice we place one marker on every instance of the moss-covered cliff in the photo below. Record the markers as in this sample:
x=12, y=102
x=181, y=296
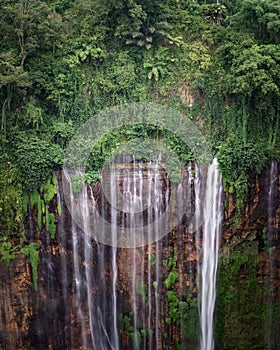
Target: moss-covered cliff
x=42, y=314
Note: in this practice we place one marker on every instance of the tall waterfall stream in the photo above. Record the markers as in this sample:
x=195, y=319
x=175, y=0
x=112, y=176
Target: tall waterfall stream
x=133, y=198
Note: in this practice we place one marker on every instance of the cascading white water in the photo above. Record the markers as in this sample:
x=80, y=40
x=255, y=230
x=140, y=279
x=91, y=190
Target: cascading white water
x=64, y=262
x=273, y=182
x=142, y=186
x=210, y=249
x=152, y=287
x=197, y=218
x=88, y=257
x=157, y=211
x=114, y=214
x=78, y=281
x=131, y=184
x=138, y=195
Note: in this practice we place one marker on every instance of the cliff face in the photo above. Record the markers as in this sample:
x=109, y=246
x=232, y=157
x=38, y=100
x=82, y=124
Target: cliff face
x=17, y=303
x=258, y=221
x=56, y=317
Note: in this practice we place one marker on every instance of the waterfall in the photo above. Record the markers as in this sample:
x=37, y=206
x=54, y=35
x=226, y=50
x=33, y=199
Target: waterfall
x=77, y=266
x=211, y=237
x=272, y=190
x=114, y=215
x=152, y=287
x=88, y=257
x=143, y=192
x=63, y=261
x=197, y=230
x=133, y=195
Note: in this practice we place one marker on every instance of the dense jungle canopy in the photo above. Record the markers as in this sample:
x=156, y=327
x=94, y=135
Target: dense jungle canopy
x=63, y=61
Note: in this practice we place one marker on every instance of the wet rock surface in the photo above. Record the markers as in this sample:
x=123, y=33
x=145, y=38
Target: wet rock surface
x=47, y=318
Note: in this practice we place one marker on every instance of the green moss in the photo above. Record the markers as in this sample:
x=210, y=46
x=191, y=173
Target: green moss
x=136, y=337
x=59, y=210
x=142, y=289
x=168, y=321
x=77, y=183
x=173, y=305
x=7, y=252
x=25, y=203
x=50, y=223
x=224, y=181
x=33, y=199
x=240, y=298
x=49, y=189
x=37, y=203
x=231, y=189
x=41, y=205
x=189, y=321
x=11, y=212
x=32, y=252
x=125, y=324
x=171, y=279
x=152, y=259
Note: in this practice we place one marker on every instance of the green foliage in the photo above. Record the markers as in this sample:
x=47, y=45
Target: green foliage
x=214, y=12
x=11, y=213
x=171, y=279
x=142, y=25
x=92, y=177
x=240, y=296
x=50, y=222
x=7, y=251
x=142, y=289
x=125, y=324
x=59, y=209
x=126, y=141
x=152, y=259
x=262, y=18
x=63, y=131
x=172, y=261
x=269, y=249
x=61, y=62
x=136, y=337
x=173, y=300
x=49, y=189
x=33, y=115
x=32, y=252
x=173, y=306
x=77, y=183
x=40, y=204
x=189, y=321
x=237, y=159
x=36, y=159
x=158, y=63
x=40, y=200
x=255, y=69
x=11, y=203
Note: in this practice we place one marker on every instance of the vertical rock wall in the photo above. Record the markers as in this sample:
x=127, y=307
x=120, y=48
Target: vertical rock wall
x=47, y=318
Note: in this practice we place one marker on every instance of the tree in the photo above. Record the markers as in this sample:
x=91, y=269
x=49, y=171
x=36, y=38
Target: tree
x=26, y=26
x=260, y=17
